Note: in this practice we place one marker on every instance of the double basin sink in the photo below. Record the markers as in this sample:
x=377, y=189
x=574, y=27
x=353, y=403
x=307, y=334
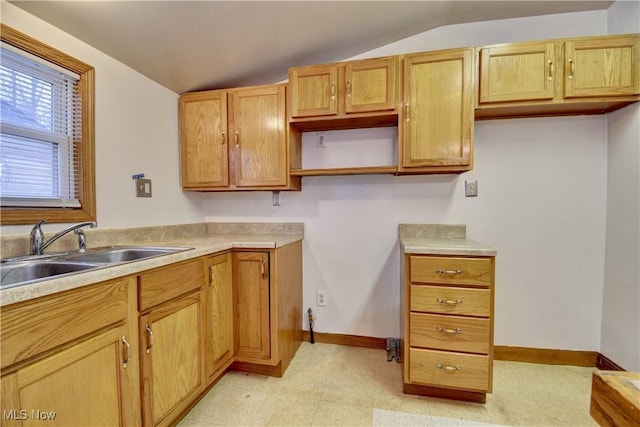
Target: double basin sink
x=30, y=269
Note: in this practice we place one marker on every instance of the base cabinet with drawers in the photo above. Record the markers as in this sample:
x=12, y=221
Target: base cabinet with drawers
x=448, y=326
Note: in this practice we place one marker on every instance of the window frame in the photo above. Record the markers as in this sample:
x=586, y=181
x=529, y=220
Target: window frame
x=86, y=148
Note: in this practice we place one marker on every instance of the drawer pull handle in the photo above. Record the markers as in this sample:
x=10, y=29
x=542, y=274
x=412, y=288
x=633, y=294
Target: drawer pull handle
x=448, y=368
x=127, y=355
x=448, y=301
x=150, y=342
x=448, y=331
x=456, y=272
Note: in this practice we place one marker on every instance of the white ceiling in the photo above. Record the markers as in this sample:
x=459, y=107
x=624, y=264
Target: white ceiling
x=196, y=45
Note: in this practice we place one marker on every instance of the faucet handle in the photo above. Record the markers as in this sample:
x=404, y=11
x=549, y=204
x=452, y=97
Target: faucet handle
x=82, y=240
x=36, y=238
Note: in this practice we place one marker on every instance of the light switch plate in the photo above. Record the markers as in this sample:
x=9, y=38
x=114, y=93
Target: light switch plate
x=471, y=188
x=143, y=188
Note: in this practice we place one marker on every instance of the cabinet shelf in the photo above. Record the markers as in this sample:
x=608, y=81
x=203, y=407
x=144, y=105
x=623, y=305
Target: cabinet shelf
x=367, y=170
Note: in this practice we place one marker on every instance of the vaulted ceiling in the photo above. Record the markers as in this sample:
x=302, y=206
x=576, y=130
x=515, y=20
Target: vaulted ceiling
x=195, y=45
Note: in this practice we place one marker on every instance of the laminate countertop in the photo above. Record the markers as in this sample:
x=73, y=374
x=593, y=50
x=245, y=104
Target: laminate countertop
x=198, y=246
x=445, y=246
x=440, y=239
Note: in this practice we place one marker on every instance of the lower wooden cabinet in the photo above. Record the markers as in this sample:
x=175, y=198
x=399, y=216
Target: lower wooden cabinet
x=171, y=349
x=171, y=340
x=268, y=308
x=77, y=358
x=253, y=319
x=74, y=359
x=63, y=389
x=219, y=315
x=448, y=326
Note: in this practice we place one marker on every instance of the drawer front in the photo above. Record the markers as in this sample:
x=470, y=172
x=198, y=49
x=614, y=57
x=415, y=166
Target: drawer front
x=445, y=369
x=166, y=283
x=453, y=333
x=449, y=300
x=42, y=325
x=452, y=270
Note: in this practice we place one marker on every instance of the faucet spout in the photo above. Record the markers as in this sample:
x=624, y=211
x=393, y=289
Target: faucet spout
x=37, y=242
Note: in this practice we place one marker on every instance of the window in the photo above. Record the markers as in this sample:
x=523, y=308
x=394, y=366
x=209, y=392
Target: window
x=46, y=139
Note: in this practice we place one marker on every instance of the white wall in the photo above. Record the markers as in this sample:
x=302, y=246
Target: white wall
x=541, y=204
x=136, y=128
x=621, y=300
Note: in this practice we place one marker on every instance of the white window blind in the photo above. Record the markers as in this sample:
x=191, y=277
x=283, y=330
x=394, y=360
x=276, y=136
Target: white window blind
x=41, y=130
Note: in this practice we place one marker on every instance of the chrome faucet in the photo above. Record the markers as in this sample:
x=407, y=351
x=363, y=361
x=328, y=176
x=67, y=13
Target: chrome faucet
x=38, y=245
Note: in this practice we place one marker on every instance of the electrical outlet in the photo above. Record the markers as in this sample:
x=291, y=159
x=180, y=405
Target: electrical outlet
x=320, y=141
x=471, y=188
x=321, y=298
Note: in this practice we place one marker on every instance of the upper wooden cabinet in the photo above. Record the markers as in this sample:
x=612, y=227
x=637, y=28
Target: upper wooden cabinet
x=607, y=66
x=342, y=95
x=517, y=72
x=235, y=139
x=553, y=77
x=436, y=123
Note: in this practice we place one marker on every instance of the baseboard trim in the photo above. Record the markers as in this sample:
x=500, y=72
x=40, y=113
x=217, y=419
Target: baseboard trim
x=545, y=356
x=500, y=352
x=606, y=364
x=350, y=340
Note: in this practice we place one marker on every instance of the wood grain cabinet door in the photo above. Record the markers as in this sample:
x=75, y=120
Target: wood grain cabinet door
x=437, y=120
x=259, y=136
x=170, y=346
x=219, y=313
x=607, y=66
x=517, y=72
x=86, y=384
x=204, y=154
x=314, y=90
x=371, y=85
x=253, y=320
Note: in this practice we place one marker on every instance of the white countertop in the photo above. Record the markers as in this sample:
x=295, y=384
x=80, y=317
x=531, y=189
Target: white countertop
x=202, y=245
x=445, y=246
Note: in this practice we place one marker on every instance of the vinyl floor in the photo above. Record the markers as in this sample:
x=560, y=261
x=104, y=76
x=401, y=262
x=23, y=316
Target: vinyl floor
x=333, y=385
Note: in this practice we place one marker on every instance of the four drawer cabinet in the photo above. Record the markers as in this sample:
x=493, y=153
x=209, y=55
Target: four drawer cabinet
x=448, y=326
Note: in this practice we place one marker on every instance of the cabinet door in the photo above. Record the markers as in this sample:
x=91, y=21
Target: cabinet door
x=602, y=67
x=314, y=90
x=87, y=384
x=259, y=123
x=203, y=140
x=170, y=346
x=219, y=313
x=371, y=85
x=517, y=72
x=251, y=282
x=437, y=122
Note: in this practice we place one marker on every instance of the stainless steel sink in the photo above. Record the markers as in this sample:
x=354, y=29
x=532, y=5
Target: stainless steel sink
x=123, y=254
x=29, y=271
x=20, y=271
